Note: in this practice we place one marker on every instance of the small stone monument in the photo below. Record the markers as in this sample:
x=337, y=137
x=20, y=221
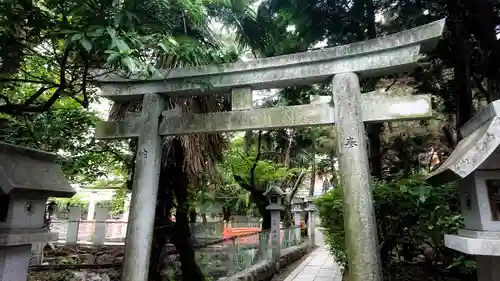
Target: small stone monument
x=311, y=221
x=297, y=215
x=275, y=195
x=27, y=178
x=476, y=161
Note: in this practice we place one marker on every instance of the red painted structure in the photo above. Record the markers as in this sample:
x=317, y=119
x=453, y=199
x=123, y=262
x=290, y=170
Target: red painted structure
x=247, y=239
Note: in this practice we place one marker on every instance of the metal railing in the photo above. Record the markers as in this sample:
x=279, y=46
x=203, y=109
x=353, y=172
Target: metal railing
x=116, y=230
x=216, y=259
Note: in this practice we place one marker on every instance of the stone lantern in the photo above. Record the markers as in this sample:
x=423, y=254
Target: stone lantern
x=297, y=215
x=311, y=221
x=476, y=162
x=275, y=195
x=27, y=178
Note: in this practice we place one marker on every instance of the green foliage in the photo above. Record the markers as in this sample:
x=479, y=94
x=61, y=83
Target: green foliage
x=224, y=191
x=65, y=130
x=239, y=162
x=412, y=218
x=117, y=203
x=76, y=201
x=49, y=49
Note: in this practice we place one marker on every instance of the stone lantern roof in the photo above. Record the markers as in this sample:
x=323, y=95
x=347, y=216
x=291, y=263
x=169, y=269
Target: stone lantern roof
x=481, y=140
x=30, y=171
x=274, y=190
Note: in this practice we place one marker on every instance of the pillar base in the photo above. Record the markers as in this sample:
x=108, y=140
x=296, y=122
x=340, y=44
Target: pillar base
x=14, y=262
x=487, y=268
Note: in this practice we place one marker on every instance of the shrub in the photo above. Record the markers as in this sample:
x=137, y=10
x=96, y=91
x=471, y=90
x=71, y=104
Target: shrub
x=412, y=218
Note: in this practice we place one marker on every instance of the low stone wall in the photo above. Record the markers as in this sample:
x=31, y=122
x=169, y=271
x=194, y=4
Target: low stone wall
x=265, y=270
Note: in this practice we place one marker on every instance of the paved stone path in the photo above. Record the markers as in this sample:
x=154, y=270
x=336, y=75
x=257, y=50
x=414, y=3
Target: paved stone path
x=318, y=266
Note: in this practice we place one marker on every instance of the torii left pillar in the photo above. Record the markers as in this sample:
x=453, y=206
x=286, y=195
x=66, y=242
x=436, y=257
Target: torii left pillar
x=144, y=192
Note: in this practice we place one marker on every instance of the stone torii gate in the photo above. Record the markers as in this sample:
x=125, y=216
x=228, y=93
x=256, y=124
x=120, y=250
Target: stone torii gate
x=373, y=58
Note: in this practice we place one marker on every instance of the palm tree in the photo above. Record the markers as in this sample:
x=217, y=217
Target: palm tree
x=185, y=158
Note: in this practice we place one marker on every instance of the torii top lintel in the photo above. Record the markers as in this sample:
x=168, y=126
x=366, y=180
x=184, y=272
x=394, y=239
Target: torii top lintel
x=377, y=57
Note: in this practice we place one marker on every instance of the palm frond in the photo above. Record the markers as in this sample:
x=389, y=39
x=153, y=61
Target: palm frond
x=201, y=152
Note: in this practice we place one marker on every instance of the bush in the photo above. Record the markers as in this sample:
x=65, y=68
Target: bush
x=412, y=218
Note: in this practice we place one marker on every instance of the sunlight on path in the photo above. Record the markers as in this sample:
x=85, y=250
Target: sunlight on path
x=318, y=266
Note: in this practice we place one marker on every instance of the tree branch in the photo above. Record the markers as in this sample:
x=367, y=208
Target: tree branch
x=392, y=84
x=35, y=96
x=28, y=106
x=6, y=80
x=242, y=183
x=31, y=133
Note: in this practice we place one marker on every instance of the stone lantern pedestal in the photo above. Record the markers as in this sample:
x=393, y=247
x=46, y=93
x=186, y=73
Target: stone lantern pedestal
x=275, y=194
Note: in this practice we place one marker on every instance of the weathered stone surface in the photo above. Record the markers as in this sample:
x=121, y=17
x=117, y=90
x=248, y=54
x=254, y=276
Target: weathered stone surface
x=470, y=153
x=130, y=128
x=17, y=237
x=241, y=99
x=481, y=139
x=486, y=114
x=473, y=246
x=359, y=214
x=28, y=170
x=479, y=234
x=144, y=192
x=89, y=276
x=376, y=107
x=369, y=65
x=475, y=201
x=376, y=57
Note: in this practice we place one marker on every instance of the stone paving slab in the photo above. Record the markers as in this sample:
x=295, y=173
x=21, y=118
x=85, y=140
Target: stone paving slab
x=318, y=266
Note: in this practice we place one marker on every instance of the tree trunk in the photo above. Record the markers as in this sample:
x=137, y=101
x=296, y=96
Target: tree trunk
x=11, y=55
x=461, y=51
x=226, y=213
x=375, y=149
x=283, y=145
x=192, y=225
x=163, y=228
x=313, y=174
x=261, y=201
x=287, y=158
x=364, y=11
x=181, y=236
x=373, y=130
x=482, y=22
x=247, y=140
x=192, y=216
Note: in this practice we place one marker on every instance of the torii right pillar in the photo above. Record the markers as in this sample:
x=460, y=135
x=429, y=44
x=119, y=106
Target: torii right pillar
x=359, y=214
